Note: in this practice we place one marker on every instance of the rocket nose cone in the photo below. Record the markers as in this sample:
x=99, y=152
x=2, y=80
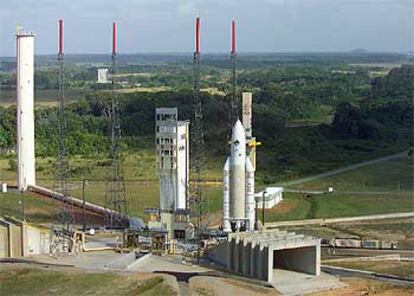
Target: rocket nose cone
x=226, y=166
x=238, y=131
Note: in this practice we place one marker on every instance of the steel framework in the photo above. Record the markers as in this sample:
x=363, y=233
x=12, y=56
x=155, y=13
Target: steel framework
x=62, y=168
x=115, y=196
x=234, y=100
x=199, y=200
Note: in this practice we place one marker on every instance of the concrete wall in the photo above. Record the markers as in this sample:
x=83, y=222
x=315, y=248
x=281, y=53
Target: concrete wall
x=16, y=241
x=4, y=240
x=257, y=254
x=37, y=241
x=19, y=239
x=303, y=259
x=218, y=254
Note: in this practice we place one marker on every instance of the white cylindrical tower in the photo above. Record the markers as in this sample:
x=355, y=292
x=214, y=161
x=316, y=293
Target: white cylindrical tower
x=226, y=196
x=250, y=204
x=25, y=113
x=238, y=173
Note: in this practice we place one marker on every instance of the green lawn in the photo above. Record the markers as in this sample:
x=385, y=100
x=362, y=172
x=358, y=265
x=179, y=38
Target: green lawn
x=29, y=281
x=37, y=210
x=141, y=184
x=142, y=188
x=296, y=206
x=389, y=175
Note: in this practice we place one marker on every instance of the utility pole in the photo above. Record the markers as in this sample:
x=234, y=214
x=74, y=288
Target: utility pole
x=263, y=207
x=84, y=183
x=256, y=218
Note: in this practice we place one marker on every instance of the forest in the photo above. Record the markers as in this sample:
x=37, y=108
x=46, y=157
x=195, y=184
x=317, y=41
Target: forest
x=311, y=114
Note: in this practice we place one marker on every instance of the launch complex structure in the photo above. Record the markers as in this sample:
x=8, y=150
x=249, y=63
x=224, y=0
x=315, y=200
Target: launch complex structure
x=240, y=244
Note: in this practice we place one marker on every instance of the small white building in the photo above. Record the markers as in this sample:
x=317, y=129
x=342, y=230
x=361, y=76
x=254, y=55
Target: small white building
x=103, y=76
x=272, y=196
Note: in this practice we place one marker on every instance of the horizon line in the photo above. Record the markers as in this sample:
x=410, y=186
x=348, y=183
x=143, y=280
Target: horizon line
x=402, y=52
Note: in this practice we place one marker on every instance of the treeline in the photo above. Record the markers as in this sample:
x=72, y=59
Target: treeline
x=368, y=121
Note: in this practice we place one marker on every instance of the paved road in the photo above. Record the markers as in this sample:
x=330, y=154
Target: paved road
x=269, y=225
x=349, y=253
x=346, y=272
x=341, y=170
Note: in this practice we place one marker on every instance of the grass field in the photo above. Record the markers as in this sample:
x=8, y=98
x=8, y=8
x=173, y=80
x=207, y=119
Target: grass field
x=142, y=187
x=388, y=175
x=30, y=281
x=43, y=97
x=37, y=210
x=297, y=206
x=397, y=268
x=141, y=183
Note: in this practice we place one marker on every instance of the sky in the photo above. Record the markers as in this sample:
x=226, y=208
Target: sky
x=168, y=25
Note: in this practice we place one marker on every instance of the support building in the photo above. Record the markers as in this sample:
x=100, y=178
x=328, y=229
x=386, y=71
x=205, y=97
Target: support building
x=172, y=151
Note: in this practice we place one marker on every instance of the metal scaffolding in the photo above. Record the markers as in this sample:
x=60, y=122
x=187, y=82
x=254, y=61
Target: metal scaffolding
x=234, y=100
x=62, y=168
x=199, y=201
x=115, y=197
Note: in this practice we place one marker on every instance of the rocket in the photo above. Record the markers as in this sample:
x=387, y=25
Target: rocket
x=238, y=185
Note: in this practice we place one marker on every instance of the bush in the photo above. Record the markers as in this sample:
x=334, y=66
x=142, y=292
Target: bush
x=12, y=165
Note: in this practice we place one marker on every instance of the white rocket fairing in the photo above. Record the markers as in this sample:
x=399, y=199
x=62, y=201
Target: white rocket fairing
x=238, y=185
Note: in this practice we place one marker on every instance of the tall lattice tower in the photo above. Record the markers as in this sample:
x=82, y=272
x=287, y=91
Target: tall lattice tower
x=62, y=169
x=234, y=100
x=199, y=202
x=115, y=193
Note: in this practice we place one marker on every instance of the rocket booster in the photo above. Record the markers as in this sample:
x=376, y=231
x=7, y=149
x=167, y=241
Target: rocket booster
x=226, y=196
x=238, y=185
x=250, y=203
x=238, y=172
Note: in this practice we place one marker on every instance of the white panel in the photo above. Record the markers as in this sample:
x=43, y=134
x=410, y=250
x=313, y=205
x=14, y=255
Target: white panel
x=247, y=113
x=182, y=165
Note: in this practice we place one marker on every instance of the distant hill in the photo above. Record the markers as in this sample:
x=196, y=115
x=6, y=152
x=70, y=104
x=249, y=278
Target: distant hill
x=358, y=50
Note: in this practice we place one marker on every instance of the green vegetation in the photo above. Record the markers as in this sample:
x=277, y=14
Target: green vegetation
x=313, y=113
x=388, y=175
x=21, y=281
x=397, y=268
x=296, y=206
x=37, y=210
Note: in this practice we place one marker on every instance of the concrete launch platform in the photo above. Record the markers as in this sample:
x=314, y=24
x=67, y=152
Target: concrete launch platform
x=297, y=283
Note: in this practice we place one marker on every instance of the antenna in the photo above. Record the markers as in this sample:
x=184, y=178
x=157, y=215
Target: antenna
x=233, y=37
x=60, y=51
